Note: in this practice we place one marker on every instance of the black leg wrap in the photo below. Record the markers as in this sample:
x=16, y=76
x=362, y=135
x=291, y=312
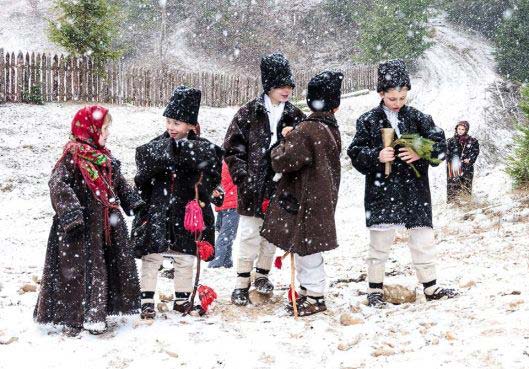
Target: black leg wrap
x=430, y=284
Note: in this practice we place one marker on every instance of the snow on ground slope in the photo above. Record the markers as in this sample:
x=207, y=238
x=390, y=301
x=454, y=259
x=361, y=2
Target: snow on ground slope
x=482, y=249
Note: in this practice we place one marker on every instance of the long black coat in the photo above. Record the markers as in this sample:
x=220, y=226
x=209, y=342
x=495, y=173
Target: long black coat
x=166, y=178
x=247, y=144
x=300, y=217
x=402, y=198
x=456, y=155
x=84, y=280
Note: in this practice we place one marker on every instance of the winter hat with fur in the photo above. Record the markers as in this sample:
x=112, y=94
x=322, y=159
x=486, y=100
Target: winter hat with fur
x=275, y=72
x=324, y=91
x=184, y=105
x=392, y=74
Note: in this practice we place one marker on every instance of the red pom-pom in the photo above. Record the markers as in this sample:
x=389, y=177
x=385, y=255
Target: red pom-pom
x=264, y=205
x=278, y=263
x=290, y=294
x=193, y=219
x=205, y=250
x=206, y=295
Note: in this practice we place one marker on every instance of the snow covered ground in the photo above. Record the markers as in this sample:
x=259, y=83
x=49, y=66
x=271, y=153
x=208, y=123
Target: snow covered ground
x=482, y=250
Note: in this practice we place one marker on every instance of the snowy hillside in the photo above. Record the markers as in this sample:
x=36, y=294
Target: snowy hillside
x=482, y=250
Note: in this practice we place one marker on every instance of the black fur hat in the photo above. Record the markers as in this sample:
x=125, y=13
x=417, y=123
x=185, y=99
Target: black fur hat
x=324, y=91
x=184, y=105
x=393, y=74
x=275, y=72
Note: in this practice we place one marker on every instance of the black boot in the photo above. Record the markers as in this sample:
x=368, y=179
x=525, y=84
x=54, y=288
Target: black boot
x=441, y=294
x=308, y=305
x=240, y=296
x=147, y=311
x=183, y=307
x=376, y=300
x=263, y=285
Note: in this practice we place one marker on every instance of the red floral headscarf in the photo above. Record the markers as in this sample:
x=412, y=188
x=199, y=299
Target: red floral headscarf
x=93, y=161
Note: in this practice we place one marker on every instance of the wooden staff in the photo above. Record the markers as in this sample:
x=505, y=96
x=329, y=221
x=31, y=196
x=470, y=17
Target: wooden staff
x=387, y=139
x=293, y=286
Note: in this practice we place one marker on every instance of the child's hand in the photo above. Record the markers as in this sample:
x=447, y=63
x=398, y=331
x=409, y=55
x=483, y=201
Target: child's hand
x=408, y=155
x=286, y=131
x=466, y=161
x=216, y=193
x=386, y=155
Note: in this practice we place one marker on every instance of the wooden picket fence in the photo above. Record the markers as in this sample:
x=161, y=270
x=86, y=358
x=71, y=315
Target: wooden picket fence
x=59, y=78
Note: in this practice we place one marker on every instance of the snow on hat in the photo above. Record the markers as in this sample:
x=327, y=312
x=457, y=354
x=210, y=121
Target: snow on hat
x=184, y=105
x=324, y=91
x=393, y=74
x=275, y=72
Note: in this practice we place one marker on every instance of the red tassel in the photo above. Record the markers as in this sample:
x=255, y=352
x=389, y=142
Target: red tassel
x=264, y=205
x=290, y=295
x=206, y=295
x=278, y=263
x=193, y=220
x=205, y=250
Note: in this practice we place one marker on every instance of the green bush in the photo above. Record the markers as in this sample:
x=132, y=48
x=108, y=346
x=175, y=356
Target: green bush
x=512, y=44
x=86, y=27
x=394, y=30
x=518, y=161
x=484, y=16
x=33, y=96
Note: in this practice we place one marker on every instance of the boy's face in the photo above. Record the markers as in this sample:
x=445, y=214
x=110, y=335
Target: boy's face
x=177, y=129
x=461, y=130
x=280, y=94
x=394, y=98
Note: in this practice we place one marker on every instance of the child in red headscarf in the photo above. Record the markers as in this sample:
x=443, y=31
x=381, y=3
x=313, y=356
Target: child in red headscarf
x=89, y=270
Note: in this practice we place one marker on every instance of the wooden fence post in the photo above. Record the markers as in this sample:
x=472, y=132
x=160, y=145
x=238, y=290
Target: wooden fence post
x=3, y=78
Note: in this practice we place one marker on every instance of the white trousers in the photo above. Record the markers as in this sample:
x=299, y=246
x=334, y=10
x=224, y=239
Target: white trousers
x=421, y=244
x=183, y=271
x=311, y=275
x=252, y=247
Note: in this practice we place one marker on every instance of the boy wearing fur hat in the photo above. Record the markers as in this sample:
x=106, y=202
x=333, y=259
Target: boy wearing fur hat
x=170, y=167
x=402, y=199
x=257, y=127
x=300, y=219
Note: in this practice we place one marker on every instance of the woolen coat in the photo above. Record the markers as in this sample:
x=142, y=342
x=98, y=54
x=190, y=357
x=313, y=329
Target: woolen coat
x=300, y=217
x=85, y=279
x=402, y=198
x=166, y=178
x=247, y=146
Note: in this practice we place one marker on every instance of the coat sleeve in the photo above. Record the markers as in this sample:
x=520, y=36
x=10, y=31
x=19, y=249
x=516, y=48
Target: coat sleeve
x=293, y=152
x=236, y=147
x=63, y=197
x=429, y=130
x=129, y=199
x=364, y=156
x=146, y=170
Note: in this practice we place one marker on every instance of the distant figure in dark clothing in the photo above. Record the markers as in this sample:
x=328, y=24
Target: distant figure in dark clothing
x=462, y=152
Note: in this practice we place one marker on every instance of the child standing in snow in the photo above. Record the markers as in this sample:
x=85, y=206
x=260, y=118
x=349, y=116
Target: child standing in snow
x=227, y=221
x=401, y=199
x=300, y=219
x=89, y=271
x=462, y=153
x=171, y=168
x=253, y=131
